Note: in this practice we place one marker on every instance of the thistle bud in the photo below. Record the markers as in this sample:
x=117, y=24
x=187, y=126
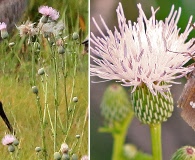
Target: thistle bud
x=184, y=153
x=37, y=149
x=65, y=157
x=75, y=99
x=11, y=148
x=57, y=156
x=77, y=136
x=44, y=19
x=35, y=89
x=115, y=106
x=41, y=71
x=61, y=50
x=75, y=36
x=130, y=151
x=151, y=109
x=75, y=157
x=64, y=148
x=15, y=142
x=4, y=34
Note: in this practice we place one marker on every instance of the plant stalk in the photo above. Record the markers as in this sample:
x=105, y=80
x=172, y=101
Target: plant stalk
x=155, y=130
x=119, y=135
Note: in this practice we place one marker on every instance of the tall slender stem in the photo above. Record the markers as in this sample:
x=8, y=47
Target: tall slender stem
x=64, y=71
x=155, y=130
x=42, y=127
x=56, y=99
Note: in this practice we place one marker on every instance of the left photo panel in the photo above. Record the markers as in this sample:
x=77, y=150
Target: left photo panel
x=44, y=80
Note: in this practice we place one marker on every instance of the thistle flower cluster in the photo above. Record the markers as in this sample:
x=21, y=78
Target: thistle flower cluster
x=66, y=153
x=49, y=26
x=10, y=141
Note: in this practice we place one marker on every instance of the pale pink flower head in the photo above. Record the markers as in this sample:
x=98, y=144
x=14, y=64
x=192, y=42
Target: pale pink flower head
x=64, y=148
x=50, y=12
x=8, y=139
x=27, y=29
x=148, y=51
x=3, y=26
x=85, y=157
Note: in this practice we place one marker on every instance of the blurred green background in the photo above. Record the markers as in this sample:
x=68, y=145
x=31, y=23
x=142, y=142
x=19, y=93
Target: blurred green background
x=176, y=132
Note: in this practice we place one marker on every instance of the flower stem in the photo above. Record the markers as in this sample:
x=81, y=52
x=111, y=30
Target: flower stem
x=42, y=127
x=119, y=136
x=155, y=130
x=118, y=146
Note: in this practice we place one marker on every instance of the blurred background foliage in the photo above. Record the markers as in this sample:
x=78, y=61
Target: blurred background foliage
x=176, y=132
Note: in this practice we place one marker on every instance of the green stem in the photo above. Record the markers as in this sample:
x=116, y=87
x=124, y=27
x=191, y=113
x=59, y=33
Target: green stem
x=56, y=100
x=119, y=136
x=64, y=71
x=71, y=121
x=42, y=127
x=155, y=130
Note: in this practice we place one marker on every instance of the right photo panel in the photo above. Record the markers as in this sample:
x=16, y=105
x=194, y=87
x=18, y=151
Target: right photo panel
x=142, y=85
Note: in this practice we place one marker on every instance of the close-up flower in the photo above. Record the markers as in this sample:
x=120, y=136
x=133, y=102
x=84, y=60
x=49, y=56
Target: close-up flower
x=147, y=52
x=50, y=12
x=8, y=139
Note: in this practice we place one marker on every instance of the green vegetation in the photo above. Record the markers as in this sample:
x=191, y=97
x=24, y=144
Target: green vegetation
x=66, y=76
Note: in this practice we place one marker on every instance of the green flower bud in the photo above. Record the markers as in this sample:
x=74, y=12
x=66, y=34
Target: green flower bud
x=75, y=36
x=151, y=109
x=4, y=33
x=65, y=157
x=115, y=105
x=75, y=99
x=35, y=89
x=75, y=157
x=15, y=142
x=184, y=153
x=11, y=148
x=11, y=44
x=38, y=149
x=57, y=156
x=41, y=71
x=77, y=136
x=61, y=50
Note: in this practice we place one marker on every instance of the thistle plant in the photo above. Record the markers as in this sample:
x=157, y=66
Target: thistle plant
x=50, y=60
x=146, y=56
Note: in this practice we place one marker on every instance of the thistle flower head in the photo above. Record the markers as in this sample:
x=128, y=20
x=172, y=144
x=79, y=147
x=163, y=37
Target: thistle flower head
x=49, y=11
x=27, y=29
x=8, y=139
x=64, y=148
x=148, y=52
x=51, y=27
